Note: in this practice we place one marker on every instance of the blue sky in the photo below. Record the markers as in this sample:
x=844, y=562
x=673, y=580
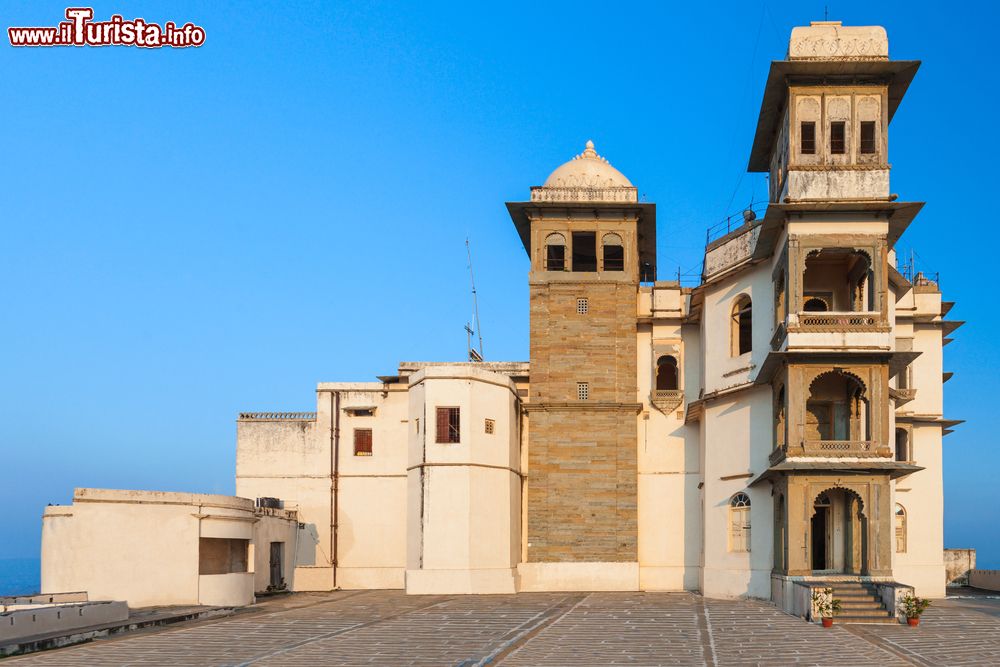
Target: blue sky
x=192, y=233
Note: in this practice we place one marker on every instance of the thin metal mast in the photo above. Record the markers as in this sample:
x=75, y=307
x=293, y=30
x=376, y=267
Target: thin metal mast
x=475, y=310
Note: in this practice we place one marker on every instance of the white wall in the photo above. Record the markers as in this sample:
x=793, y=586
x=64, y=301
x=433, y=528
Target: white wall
x=142, y=547
x=464, y=513
x=668, y=458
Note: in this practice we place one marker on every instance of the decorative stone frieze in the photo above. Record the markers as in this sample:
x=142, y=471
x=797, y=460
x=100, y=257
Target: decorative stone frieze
x=829, y=40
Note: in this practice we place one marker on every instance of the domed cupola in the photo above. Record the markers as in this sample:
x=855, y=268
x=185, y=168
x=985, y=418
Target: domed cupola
x=587, y=177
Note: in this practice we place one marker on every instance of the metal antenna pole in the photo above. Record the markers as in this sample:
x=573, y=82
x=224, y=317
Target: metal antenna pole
x=475, y=301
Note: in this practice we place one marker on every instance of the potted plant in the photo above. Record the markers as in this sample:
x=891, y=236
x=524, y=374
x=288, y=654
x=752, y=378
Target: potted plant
x=826, y=606
x=913, y=607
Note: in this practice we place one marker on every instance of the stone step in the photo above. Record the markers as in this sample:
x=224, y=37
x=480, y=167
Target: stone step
x=862, y=605
x=843, y=618
x=862, y=612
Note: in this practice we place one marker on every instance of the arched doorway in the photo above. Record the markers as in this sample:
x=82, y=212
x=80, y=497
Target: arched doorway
x=838, y=542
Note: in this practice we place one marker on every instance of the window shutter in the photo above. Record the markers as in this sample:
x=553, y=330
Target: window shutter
x=454, y=433
x=442, y=425
x=362, y=442
x=735, y=530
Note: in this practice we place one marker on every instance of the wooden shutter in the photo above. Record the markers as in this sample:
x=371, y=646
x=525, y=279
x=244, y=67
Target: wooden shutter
x=362, y=442
x=442, y=425
x=454, y=433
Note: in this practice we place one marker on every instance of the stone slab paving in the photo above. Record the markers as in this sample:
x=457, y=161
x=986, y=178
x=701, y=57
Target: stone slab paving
x=951, y=632
x=391, y=628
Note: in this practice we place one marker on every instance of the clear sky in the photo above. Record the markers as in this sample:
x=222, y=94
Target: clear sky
x=192, y=233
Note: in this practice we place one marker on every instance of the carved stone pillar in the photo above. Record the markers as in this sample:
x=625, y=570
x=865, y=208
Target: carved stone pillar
x=799, y=515
x=796, y=275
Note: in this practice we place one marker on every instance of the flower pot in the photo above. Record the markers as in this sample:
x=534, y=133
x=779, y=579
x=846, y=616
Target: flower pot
x=827, y=622
x=913, y=622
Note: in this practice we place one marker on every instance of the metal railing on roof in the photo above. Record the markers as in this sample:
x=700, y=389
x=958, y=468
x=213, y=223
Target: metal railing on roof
x=733, y=222
x=274, y=416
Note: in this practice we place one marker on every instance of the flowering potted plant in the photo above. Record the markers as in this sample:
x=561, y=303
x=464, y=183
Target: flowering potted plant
x=913, y=607
x=826, y=605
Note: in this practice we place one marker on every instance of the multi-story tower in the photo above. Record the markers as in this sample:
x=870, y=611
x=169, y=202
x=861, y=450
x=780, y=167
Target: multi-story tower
x=835, y=352
x=590, y=243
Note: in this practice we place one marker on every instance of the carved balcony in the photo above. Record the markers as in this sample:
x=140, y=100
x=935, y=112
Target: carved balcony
x=833, y=330
x=830, y=449
x=667, y=400
x=842, y=321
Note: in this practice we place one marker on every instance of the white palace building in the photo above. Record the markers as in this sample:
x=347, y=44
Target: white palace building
x=775, y=429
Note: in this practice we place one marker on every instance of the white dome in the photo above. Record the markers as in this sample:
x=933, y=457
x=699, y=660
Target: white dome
x=587, y=170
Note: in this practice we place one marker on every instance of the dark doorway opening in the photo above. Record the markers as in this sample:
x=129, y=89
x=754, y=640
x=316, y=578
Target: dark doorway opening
x=277, y=551
x=819, y=539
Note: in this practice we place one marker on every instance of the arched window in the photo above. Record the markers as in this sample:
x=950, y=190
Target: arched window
x=739, y=522
x=902, y=445
x=666, y=373
x=838, y=279
x=837, y=408
x=900, y=529
x=742, y=326
x=815, y=305
x=555, y=252
x=614, y=252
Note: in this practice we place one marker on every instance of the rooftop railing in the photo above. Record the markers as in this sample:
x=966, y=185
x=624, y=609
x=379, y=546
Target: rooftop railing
x=277, y=416
x=733, y=222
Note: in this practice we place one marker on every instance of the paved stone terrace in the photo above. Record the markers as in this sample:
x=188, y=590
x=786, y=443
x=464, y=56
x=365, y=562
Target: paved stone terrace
x=391, y=628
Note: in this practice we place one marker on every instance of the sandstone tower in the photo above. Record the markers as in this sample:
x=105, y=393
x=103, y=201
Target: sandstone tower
x=591, y=243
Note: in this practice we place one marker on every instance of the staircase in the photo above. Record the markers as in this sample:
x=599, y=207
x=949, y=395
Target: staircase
x=859, y=603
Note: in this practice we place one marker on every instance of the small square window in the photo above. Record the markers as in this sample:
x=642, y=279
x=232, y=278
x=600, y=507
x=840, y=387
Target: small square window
x=491, y=426
x=582, y=306
x=868, y=136
x=838, y=133
x=807, y=137
x=583, y=391
x=362, y=442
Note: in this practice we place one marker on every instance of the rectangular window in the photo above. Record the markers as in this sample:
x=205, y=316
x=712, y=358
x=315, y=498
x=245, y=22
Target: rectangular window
x=584, y=251
x=219, y=555
x=838, y=144
x=362, y=442
x=491, y=426
x=555, y=258
x=447, y=425
x=614, y=258
x=807, y=138
x=582, y=306
x=582, y=391
x=868, y=136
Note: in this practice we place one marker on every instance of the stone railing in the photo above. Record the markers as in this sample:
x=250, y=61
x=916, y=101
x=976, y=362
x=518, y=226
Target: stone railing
x=839, y=448
x=277, y=416
x=829, y=448
x=838, y=321
x=668, y=400
x=584, y=193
